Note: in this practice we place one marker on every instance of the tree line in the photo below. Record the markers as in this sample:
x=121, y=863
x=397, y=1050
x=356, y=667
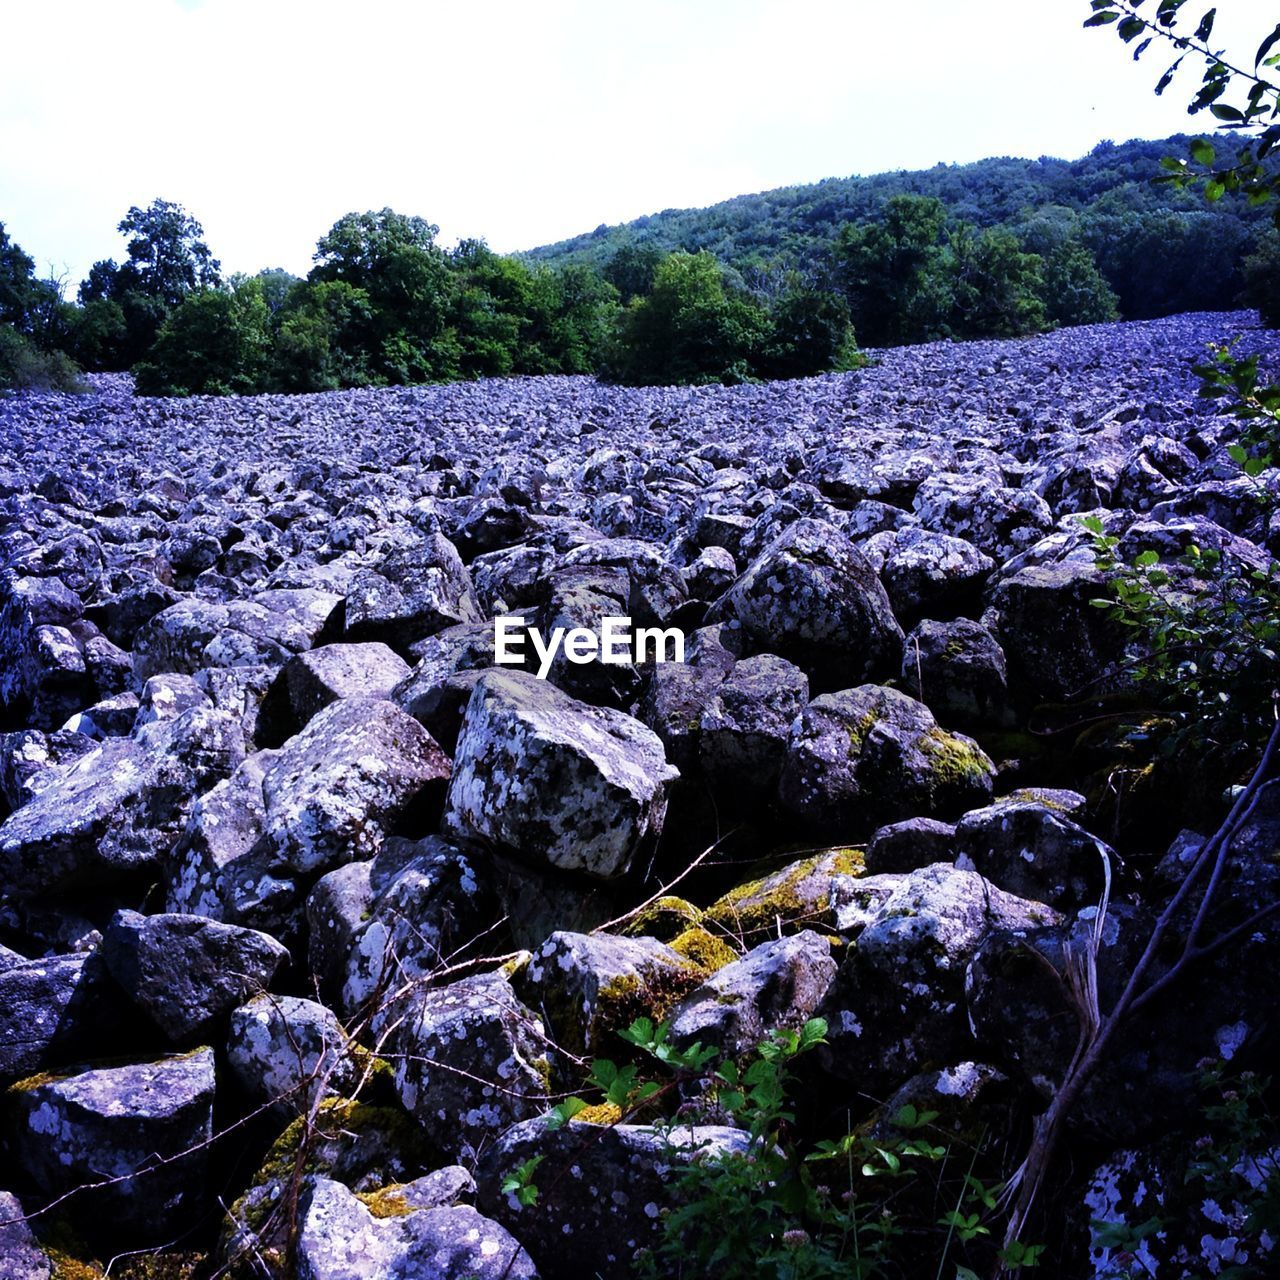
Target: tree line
x=386, y=304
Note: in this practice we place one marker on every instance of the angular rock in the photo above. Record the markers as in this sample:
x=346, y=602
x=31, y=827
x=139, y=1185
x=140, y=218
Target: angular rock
x=147, y=1125
x=909, y=845
x=185, y=972
x=469, y=1061
x=812, y=598
x=958, y=671
x=321, y=676
x=778, y=984
x=581, y=788
x=867, y=756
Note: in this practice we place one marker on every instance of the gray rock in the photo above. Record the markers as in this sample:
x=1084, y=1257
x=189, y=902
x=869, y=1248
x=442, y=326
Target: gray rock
x=958, y=670
x=812, y=598
x=933, y=575
x=586, y=986
x=144, y=1127
x=321, y=676
x=863, y=757
x=30, y=760
x=909, y=845
x=23, y=1257
x=469, y=1061
x=581, y=788
x=778, y=984
x=285, y=1050
x=340, y=1238
x=185, y=972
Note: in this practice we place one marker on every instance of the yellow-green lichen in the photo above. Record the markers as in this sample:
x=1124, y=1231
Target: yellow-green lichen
x=664, y=919
x=600, y=1113
x=387, y=1202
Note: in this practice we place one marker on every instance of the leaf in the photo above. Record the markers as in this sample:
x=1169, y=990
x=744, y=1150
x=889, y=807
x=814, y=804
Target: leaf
x=1266, y=46
x=1131, y=29
x=1202, y=152
x=1205, y=29
x=1237, y=454
x=1101, y=19
x=1213, y=189
x=1225, y=112
x=1146, y=559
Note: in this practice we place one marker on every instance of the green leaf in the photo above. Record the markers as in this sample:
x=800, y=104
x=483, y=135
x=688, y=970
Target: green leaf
x=1202, y=152
x=1131, y=29
x=1101, y=19
x=1237, y=453
x=1225, y=112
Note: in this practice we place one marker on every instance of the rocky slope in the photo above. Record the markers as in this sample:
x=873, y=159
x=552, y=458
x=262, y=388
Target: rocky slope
x=310, y=913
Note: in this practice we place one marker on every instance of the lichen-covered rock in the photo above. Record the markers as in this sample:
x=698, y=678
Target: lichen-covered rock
x=867, y=756
x=320, y=676
x=958, y=671
x=411, y=593
x=812, y=598
x=338, y=908
x=909, y=845
x=997, y=520
x=1058, y=646
x=968, y=1099
x=43, y=679
x=933, y=575
x=898, y=1002
x=30, y=760
x=582, y=788
x=144, y=1127
x=469, y=1060
x=340, y=1238
x=587, y=986
x=777, y=984
x=744, y=725
x=802, y=895
x=55, y=1010
x=335, y=789
x=284, y=1050
x=114, y=811
x=1028, y=849
x=422, y=919
x=23, y=1257
x=185, y=972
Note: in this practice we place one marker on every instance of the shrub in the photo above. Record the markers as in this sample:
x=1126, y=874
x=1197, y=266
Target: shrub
x=24, y=367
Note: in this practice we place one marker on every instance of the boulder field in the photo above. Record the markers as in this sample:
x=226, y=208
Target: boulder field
x=310, y=912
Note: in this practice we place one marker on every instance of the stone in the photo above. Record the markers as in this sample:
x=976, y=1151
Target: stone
x=958, y=670
x=933, y=575
x=469, y=1061
x=587, y=986
x=344, y=1237
x=871, y=755
x=321, y=676
x=186, y=972
x=812, y=598
x=286, y=1050
x=778, y=984
x=580, y=788
x=909, y=845
x=23, y=1257
x=144, y=1126
x=602, y=1189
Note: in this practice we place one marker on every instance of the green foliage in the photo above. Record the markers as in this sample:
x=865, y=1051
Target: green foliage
x=1257, y=99
x=692, y=327
x=631, y=269
x=520, y=1183
x=786, y=1206
x=893, y=272
x=322, y=338
x=1206, y=628
x=168, y=257
x=809, y=332
x=1262, y=280
x=215, y=343
x=24, y=367
x=996, y=289
x=1074, y=290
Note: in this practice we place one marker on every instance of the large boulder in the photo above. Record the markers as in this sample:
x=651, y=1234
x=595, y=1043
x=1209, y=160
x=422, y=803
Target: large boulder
x=581, y=788
x=866, y=756
x=811, y=597
x=143, y=1129
x=933, y=575
x=23, y=1258
x=778, y=984
x=113, y=812
x=469, y=1061
x=899, y=1002
x=185, y=972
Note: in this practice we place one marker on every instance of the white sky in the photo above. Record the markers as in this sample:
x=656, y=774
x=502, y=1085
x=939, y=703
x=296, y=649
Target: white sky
x=526, y=121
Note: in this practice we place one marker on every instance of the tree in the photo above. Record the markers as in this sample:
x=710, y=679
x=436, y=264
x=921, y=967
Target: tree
x=631, y=269
x=1074, y=290
x=215, y=342
x=691, y=327
x=1257, y=98
x=809, y=333
x=995, y=288
x=394, y=260
x=167, y=253
x=322, y=338
x=892, y=271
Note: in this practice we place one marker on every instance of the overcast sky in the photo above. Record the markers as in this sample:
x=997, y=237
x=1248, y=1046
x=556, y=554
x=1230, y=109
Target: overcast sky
x=527, y=121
